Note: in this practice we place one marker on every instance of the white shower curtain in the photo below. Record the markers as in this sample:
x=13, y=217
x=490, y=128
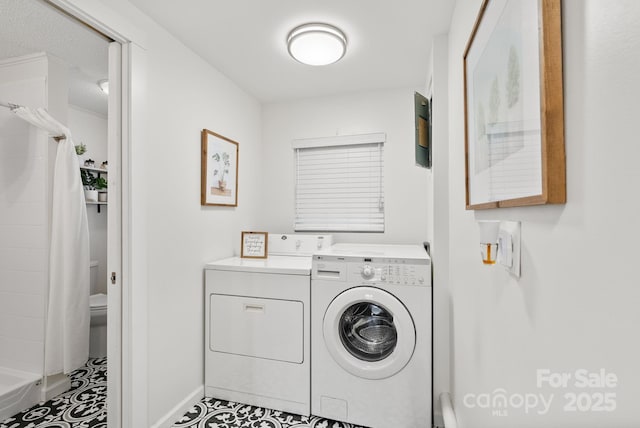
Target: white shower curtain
x=68, y=313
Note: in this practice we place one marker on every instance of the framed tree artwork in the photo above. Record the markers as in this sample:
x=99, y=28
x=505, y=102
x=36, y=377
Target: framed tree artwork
x=514, y=120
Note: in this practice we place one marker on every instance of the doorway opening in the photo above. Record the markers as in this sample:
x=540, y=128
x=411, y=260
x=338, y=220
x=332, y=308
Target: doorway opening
x=50, y=59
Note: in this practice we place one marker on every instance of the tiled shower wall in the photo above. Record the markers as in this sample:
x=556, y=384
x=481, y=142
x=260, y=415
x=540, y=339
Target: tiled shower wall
x=23, y=219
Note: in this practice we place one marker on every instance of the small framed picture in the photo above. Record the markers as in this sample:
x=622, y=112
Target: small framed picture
x=219, y=180
x=254, y=245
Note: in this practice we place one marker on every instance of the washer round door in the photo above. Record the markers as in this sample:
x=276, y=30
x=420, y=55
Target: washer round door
x=369, y=332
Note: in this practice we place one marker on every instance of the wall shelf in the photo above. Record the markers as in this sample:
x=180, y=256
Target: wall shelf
x=94, y=169
x=98, y=204
x=98, y=171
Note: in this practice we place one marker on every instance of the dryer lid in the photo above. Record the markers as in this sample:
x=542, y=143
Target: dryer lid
x=287, y=255
x=284, y=265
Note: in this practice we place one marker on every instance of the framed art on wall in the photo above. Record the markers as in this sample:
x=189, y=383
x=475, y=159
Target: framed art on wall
x=514, y=122
x=219, y=175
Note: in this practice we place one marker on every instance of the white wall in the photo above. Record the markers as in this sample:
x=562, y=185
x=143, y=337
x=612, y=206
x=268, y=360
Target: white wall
x=438, y=216
x=90, y=129
x=25, y=179
x=576, y=304
x=389, y=111
x=183, y=236
x=23, y=218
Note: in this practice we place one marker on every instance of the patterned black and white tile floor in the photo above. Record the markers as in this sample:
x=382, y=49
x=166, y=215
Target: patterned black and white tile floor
x=213, y=413
x=83, y=406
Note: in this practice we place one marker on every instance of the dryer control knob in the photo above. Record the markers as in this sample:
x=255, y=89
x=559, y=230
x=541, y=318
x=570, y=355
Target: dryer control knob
x=368, y=272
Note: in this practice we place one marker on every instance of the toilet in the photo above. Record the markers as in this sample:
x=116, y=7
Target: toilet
x=98, y=304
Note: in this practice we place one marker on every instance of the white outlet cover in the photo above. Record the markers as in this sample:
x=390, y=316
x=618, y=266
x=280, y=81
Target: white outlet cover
x=509, y=246
x=505, y=249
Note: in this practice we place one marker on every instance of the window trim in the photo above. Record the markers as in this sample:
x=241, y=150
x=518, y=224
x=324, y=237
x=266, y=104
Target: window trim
x=342, y=140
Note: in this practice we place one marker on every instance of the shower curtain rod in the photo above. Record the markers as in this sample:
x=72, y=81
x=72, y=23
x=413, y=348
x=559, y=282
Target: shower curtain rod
x=12, y=107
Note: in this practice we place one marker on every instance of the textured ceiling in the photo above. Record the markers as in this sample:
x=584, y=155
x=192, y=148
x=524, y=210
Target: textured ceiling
x=30, y=26
x=389, y=41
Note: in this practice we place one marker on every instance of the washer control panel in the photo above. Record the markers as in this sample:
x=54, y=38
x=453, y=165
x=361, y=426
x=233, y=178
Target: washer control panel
x=379, y=270
x=390, y=273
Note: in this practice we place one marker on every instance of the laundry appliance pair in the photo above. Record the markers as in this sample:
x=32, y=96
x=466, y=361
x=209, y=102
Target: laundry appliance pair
x=342, y=331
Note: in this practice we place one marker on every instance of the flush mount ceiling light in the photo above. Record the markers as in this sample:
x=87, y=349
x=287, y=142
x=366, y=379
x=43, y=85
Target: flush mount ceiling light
x=104, y=86
x=316, y=44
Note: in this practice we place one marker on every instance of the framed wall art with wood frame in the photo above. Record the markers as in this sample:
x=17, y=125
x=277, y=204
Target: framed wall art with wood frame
x=219, y=176
x=514, y=119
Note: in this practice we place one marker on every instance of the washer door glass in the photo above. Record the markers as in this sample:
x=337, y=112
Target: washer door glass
x=367, y=331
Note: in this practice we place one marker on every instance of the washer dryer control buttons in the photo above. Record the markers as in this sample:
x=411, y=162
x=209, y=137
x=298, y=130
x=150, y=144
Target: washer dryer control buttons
x=368, y=272
x=401, y=275
x=391, y=274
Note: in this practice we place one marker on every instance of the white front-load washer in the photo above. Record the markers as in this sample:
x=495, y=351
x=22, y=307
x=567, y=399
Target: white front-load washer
x=257, y=325
x=371, y=335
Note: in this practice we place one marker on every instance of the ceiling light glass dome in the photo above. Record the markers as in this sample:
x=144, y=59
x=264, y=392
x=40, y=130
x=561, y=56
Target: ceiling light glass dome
x=316, y=44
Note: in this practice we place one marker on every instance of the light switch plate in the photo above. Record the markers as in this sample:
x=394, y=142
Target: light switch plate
x=509, y=246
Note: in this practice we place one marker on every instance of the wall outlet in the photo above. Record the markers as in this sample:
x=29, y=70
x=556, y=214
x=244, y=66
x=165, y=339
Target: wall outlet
x=509, y=246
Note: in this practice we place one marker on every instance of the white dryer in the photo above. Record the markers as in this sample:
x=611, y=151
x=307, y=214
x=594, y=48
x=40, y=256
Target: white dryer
x=371, y=335
x=257, y=325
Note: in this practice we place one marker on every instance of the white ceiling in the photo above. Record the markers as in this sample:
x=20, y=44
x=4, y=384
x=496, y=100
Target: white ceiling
x=388, y=41
x=30, y=26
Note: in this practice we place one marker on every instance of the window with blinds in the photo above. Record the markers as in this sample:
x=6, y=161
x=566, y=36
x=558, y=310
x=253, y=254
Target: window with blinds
x=339, y=184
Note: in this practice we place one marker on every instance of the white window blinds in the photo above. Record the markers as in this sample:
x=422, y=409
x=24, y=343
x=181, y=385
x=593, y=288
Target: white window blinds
x=339, y=184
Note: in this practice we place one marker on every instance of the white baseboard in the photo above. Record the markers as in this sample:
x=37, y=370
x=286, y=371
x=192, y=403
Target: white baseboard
x=55, y=385
x=180, y=409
